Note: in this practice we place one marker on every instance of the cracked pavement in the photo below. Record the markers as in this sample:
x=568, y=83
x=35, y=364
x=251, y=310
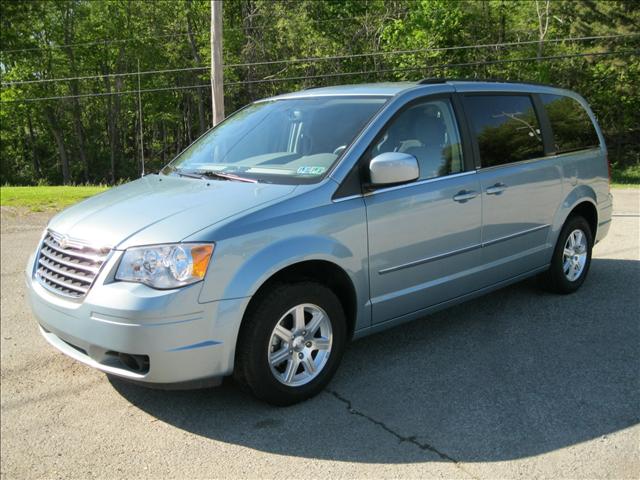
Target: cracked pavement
x=412, y=440
x=519, y=383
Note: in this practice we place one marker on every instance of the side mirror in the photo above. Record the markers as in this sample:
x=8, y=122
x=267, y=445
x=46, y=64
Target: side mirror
x=393, y=167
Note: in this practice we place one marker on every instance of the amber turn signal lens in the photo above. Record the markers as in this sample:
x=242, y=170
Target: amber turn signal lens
x=201, y=256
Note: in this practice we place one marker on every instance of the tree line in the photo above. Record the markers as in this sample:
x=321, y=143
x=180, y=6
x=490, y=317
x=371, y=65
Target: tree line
x=69, y=69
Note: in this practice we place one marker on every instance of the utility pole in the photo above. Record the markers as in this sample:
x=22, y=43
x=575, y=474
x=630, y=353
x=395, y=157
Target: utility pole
x=217, y=95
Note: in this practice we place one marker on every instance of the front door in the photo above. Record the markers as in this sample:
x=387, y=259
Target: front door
x=424, y=237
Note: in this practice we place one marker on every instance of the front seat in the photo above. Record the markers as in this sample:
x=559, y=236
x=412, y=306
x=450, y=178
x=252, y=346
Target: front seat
x=400, y=134
x=429, y=132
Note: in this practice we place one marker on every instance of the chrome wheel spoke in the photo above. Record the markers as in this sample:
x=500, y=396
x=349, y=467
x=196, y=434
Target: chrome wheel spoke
x=321, y=343
x=276, y=358
x=314, y=324
x=298, y=318
x=308, y=365
x=568, y=252
x=578, y=238
x=292, y=368
x=283, y=334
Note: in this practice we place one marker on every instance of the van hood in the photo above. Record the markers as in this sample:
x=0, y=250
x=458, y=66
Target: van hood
x=160, y=209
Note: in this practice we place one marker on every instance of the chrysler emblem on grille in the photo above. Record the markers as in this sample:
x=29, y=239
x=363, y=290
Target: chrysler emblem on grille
x=64, y=241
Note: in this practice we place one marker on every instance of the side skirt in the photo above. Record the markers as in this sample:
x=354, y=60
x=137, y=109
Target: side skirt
x=442, y=305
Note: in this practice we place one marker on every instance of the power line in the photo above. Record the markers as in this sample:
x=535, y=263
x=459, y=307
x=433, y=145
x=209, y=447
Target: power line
x=328, y=75
x=440, y=66
x=94, y=43
x=317, y=59
x=439, y=49
x=169, y=35
x=107, y=75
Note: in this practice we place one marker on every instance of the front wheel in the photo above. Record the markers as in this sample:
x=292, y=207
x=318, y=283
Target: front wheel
x=291, y=342
x=571, y=257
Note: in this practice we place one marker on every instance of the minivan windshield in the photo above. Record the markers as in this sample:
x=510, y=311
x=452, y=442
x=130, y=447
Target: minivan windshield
x=290, y=141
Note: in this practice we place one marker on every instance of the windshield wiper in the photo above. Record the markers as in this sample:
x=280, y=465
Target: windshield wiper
x=227, y=176
x=187, y=174
x=211, y=173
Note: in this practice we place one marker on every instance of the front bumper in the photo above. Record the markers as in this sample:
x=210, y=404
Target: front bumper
x=186, y=342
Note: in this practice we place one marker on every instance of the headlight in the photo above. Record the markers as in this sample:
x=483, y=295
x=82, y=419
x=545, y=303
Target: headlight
x=165, y=266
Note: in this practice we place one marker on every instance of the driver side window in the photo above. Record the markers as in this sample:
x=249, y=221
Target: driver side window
x=429, y=132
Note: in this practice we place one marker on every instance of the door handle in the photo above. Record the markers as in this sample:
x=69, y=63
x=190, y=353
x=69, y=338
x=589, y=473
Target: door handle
x=496, y=189
x=465, y=195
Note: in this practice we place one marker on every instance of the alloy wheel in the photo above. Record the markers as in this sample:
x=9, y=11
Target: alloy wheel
x=574, y=257
x=300, y=345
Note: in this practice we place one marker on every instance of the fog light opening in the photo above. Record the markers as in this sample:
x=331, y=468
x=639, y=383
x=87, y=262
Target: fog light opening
x=137, y=363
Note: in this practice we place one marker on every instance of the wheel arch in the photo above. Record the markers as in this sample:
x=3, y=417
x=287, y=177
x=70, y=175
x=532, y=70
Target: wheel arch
x=582, y=201
x=589, y=212
x=322, y=271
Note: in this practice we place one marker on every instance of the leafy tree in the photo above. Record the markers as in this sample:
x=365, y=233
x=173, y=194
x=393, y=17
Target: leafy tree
x=86, y=129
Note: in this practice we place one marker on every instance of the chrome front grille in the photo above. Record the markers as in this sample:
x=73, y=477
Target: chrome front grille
x=68, y=267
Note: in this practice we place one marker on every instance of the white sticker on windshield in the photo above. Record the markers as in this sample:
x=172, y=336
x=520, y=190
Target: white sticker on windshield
x=310, y=170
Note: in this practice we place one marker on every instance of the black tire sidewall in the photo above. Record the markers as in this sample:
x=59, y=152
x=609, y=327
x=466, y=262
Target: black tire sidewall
x=256, y=335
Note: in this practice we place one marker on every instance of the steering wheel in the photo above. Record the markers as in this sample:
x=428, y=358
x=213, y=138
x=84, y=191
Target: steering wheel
x=339, y=150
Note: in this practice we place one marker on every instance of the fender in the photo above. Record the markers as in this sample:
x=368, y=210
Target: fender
x=579, y=194
x=284, y=253
x=259, y=268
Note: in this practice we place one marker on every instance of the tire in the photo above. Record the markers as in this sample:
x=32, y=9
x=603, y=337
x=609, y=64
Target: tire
x=306, y=362
x=557, y=279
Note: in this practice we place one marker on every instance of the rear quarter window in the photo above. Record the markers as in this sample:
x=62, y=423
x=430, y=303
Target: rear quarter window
x=506, y=128
x=571, y=125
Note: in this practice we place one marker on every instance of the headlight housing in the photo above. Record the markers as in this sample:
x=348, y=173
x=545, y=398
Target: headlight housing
x=165, y=266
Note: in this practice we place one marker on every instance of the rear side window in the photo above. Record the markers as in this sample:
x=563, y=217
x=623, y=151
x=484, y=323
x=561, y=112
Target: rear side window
x=571, y=125
x=506, y=128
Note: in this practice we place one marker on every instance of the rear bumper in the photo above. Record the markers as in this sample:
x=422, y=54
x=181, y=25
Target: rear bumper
x=186, y=342
x=603, y=230
x=605, y=212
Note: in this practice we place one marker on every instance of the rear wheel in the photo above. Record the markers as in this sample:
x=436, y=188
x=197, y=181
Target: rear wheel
x=571, y=257
x=291, y=342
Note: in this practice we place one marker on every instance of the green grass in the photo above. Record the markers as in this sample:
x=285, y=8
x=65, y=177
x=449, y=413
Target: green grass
x=39, y=199
x=43, y=198
x=628, y=177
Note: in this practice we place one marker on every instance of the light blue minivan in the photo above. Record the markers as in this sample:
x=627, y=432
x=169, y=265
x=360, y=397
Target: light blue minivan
x=309, y=219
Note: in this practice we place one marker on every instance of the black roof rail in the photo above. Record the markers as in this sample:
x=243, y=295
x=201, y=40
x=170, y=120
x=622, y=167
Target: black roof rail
x=429, y=81
x=432, y=81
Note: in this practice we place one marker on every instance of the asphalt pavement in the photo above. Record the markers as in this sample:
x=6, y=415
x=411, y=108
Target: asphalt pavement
x=519, y=383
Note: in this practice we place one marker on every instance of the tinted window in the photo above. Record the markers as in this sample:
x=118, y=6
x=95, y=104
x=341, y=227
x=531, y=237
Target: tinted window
x=571, y=125
x=506, y=128
x=429, y=132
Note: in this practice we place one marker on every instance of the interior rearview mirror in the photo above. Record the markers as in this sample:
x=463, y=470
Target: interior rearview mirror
x=393, y=167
